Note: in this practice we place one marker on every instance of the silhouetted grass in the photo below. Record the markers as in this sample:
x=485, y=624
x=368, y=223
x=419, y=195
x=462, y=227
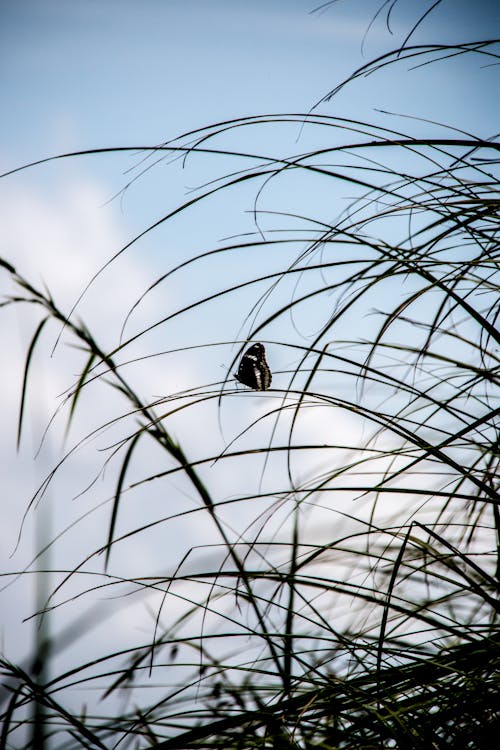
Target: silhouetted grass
x=344, y=601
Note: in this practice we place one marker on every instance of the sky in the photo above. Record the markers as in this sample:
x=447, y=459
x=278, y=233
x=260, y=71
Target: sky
x=97, y=74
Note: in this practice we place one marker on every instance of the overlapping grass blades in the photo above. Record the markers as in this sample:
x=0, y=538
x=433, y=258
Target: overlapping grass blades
x=358, y=608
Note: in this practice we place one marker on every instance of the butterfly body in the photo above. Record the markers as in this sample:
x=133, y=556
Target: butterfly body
x=253, y=369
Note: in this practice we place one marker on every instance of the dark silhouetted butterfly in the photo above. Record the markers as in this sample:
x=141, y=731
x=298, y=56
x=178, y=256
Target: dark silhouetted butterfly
x=254, y=370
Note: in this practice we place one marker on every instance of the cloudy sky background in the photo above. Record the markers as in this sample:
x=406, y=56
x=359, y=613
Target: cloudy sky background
x=95, y=74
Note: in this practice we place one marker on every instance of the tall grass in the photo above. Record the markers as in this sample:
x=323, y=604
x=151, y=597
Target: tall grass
x=345, y=590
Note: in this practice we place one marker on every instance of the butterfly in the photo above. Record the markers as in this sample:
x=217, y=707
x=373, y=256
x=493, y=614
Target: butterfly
x=254, y=370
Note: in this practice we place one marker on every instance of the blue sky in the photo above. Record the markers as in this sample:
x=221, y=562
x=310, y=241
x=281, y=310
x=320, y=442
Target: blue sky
x=120, y=72
x=81, y=75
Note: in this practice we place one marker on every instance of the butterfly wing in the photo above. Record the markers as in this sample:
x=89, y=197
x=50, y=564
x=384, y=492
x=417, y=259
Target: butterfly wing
x=253, y=370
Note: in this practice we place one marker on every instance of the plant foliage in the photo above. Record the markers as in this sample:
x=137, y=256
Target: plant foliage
x=344, y=601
